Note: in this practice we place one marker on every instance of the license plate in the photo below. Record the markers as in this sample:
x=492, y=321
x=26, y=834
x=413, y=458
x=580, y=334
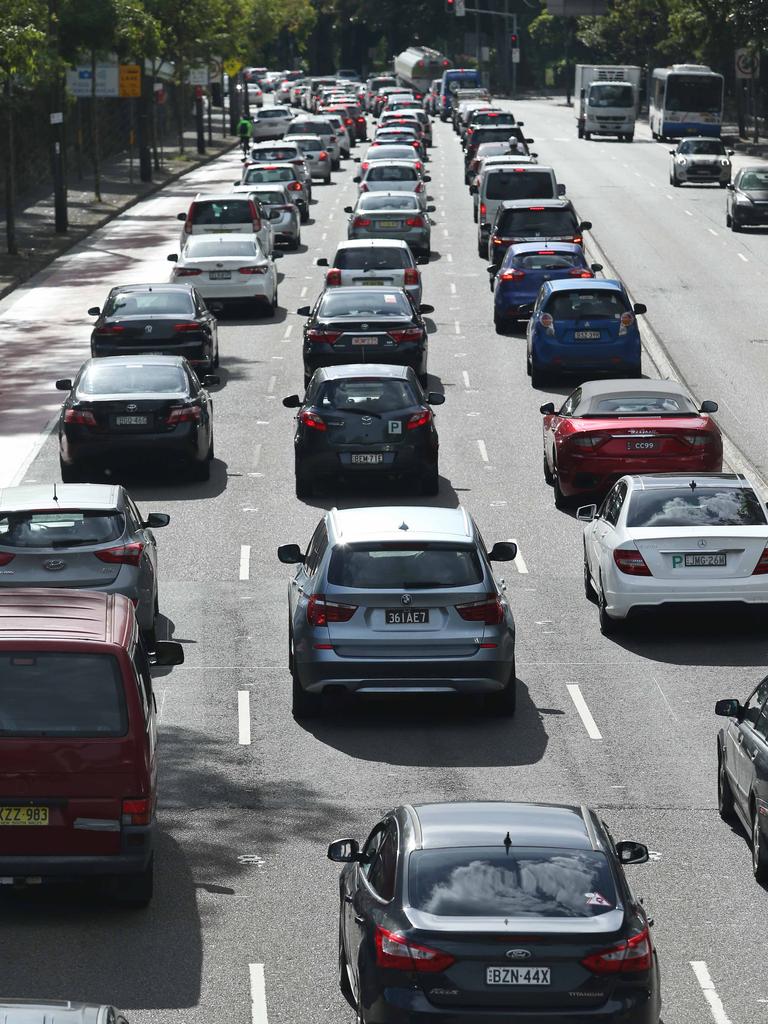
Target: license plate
x=220, y=275
x=23, y=815
x=642, y=446
x=370, y=280
x=368, y=459
x=704, y=560
x=586, y=335
x=517, y=976
x=389, y=223
x=131, y=421
x=365, y=341
x=406, y=616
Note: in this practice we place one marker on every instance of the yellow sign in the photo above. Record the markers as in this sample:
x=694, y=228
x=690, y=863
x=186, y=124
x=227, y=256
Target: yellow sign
x=130, y=81
x=232, y=65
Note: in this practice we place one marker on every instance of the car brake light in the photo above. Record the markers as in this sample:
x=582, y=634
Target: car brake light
x=320, y=612
x=406, y=334
x=6, y=557
x=414, y=222
x=113, y=328
x=411, y=276
x=415, y=143
x=635, y=954
x=547, y=322
x=489, y=611
x=81, y=417
x=631, y=562
x=577, y=272
x=252, y=270
x=470, y=131
x=588, y=440
x=361, y=222
x=333, y=277
x=361, y=120
x=137, y=812
x=419, y=419
x=396, y=953
x=125, y=554
x=365, y=165
x=577, y=239
x=348, y=120
x=363, y=187
x=483, y=209
x=625, y=322
x=322, y=155
x=312, y=420
x=183, y=414
x=186, y=328
x=294, y=186
x=419, y=187
x=184, y=272
x=512, y=275
x=698, y=440
x=316, y=336
x=419, y=166
x=761, y=569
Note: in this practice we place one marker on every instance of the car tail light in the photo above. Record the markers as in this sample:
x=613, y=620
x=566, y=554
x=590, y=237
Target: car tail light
x=419, y=187
x=588, y=440
x=406, y=334
x=255, y=217
x=361, y=120
x=294, y=186
x=320, y=612
x=316, y=336
x=419, y=419
x=137, y=812
x=364, y=165
x=363, y=187
x=512, y=275
x=333, y=277
x=186, y=328
x=580, y=272
x=81, y=417
x=411, y=276
x=415, y=143
x=631, y=562
x=547, y=323
x=483, y=209
x=488, y=611
x=625, y=322
x=124, y=554
x=184, y=272
x=312, y=420
x=635, y=954
x=761, y=569
x=252, y=270
x=361, y=222
x=322, y=155
x=577, y=239
x=112, y=328
x=6, y=557
x=395, y=952
x=698, y=440
x=419, y=166
x=348, y=120
x=470, y=131
x=538, y=209
x=415, y=222
x=183, y=414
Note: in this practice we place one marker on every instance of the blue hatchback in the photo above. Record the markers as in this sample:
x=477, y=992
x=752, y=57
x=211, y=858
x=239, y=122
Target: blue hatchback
x=581, y=329
x=526, y=267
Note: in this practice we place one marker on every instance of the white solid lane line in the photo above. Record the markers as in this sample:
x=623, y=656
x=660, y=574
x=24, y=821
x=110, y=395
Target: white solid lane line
x=449, y=257
x=465, y=378
x=245, y=561
x=519, y=561
x=271, y=384
x=303, y=292
x=453, y=288
x=244, y=718
x=483, y=450
x=258, y=995
x=584, y=713
x=288, y=330
x=710, y=992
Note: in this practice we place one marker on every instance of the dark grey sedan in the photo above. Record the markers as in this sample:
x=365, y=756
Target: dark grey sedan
x=747, y=199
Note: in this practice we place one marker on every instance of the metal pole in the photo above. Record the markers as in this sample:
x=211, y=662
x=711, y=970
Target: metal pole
x=199, y=119
x=514, y=63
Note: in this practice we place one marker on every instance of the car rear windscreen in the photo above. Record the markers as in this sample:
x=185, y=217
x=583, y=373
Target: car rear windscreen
x=99, y=379
x=525, y=882
x=390, y=152
x=59, y=695
x=285, y=153
x=578, y=305
x=388, y=173
x=519, y=184
x=263, y=175
x=494, y=118
x=640, y=404
x=402, y=201
x=542, y=223
x=547, y=261
x=149, y=303
x=404, y=566
x=365, y=302
x=54, y=529
x=373, y=258
x=695, y=506
x=212, y=212
x=373, y=396
x=271, y=198
x=270, y=113
x=309, y=145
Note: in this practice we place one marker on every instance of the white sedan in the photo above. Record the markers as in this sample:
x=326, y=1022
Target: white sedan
x=228, y=267
x=666, y=538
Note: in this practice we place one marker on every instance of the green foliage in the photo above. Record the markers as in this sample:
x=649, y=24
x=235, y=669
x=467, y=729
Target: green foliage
x=22, y=40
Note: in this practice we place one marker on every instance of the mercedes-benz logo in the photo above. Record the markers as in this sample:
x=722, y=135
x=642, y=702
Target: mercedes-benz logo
x=131, y=407
x=54, y=565
x=518, y=954
x=406, y=599
x=702, y=543
x=148, y=329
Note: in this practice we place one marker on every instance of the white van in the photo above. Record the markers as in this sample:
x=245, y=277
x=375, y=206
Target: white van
x=511, y=182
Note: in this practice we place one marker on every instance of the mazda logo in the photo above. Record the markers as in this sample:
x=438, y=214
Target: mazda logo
x=406, y=599
x=148, y=329
x=518, y=954
x=54, y=565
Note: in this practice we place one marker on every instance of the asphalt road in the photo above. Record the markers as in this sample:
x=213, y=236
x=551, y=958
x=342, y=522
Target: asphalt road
x=242, y=878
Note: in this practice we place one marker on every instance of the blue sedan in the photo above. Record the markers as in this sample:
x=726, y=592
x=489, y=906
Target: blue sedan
x=583, y=328
x=526, y=267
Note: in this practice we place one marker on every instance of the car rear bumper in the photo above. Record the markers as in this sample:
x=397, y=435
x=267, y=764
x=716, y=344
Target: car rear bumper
x=588, y=475
x=651, y=591
x=69, y=867
x=182, y=442
x=254, y=286
x=405, y=458
x=578, y=358
x=196, y=352
x=399, y=355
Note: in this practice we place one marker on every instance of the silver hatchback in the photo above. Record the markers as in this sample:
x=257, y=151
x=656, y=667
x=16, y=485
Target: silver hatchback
x=398, y=600
x=392, y=215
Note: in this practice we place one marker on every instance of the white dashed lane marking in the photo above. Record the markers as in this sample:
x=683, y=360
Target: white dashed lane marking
x=584, y=713
x=258, y=994
x=483, y=450
x=244, y=718
x=245, y=561
x=710, y=992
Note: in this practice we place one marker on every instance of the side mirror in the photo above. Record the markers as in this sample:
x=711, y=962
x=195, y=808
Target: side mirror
x=595, y=267
x=276, y=255
x=157, y=519
x=356, y=160
x=172, y=258
x=586, y=513
x=322, y=261
x=435, y=398
x=65, y=384
x=729, y=708
x=303, y=311
x=210, y=380
x=534, y=155
x=347, y=209
x=547, y=409
x=639, y=308
x=503, y=551
x=529, y=142
x=344, y=851
x=491, y=271
x=426, y=308
x=729, y=152
x=167, y=652
x=586, y=225
x=357, y=179
x=708, y=406
x=672, y=152
x=183, y=216
x=94, y=311
x=428, y=177
x=431, y=209
x=290, y=554
x=731, y=187
x=521, y=124
x=292, y=402
x=561, y=190
x=630, y=852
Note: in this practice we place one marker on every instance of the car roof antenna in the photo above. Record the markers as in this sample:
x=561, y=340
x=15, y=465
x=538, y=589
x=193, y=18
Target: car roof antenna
x=507, y=842
x=55, y=495
x=692, y=485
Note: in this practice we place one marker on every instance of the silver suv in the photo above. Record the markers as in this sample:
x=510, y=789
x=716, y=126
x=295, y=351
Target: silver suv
x=397, y=600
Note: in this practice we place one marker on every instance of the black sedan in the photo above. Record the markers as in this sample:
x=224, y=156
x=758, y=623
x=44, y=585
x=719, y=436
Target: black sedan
x=365, y=325
x=747, y=200
x=493, y=912
x=365, y=421
x=168, y=318
x=135, y=409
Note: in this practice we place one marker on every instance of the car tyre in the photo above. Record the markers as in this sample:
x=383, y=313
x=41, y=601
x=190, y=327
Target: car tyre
x=201, y=471
x=482, y=250
x=538, y=378
x=294, y=244
x=724, y=184
x=580, y=131
x=344, y=983
x=587, y=136
x=135, y=891
x=548, y=477
x=589, y=588
x=725, y=804
x=561, y=501
x=608, y=626
x=303, y=215
x=759, y=850
x=673, y=181
x=335, y=165
x=504, y=701
x=430, y=481
x=735, y=226
x=304, y=705
x=474, y=215
x=728, y=221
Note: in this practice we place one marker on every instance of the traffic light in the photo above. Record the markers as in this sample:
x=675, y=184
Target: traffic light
x=450, y=6
x=514, y=41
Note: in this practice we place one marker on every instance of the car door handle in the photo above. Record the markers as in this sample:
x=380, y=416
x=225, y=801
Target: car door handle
x=359, y=920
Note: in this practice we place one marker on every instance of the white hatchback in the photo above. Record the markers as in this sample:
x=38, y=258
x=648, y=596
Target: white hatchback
x=271, y=123
x=376, y=262
x=665, y=538
x=228, y=266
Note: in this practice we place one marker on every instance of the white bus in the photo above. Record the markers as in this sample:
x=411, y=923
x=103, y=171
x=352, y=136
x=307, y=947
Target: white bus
x=686, y=99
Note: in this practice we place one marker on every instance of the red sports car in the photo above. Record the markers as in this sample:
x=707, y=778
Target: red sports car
x=607, y=428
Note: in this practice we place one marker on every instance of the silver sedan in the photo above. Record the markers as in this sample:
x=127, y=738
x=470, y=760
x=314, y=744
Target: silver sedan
x=392, y=215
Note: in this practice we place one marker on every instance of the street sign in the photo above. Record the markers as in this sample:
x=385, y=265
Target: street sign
x=57, y=117
x=232, y=65
x=461, y=8
x=198, y=76
x=129, y=81
x=107, y=80
x=577, y=8
x=747, y=63
x=516, y=55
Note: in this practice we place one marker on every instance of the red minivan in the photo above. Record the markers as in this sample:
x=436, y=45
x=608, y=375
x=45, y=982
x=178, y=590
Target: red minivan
x=78, y=738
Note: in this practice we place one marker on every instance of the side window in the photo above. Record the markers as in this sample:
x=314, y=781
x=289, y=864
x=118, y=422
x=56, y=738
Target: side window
x=755, y=703
x=141, y=664
x=133, y=517
x=381, y=875
x=371, y=849
x=570, y=403
x=316, y=549
x=612, y=505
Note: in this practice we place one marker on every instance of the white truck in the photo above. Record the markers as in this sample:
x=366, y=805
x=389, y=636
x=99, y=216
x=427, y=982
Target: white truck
x=607, y=98
x=418, y=66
